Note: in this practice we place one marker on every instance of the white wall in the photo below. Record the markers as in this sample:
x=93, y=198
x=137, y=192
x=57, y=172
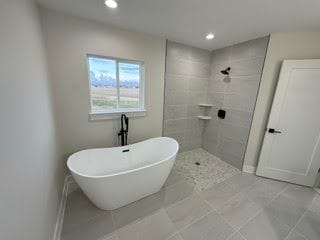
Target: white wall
x=31, y=172
x=294, y=45
x=68, y=40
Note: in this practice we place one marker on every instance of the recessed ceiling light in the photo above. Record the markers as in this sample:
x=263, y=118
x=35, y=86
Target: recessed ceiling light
x=210, y=36
x=111, y=3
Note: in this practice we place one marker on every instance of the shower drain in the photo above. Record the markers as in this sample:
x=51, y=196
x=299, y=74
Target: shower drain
x=197, y=163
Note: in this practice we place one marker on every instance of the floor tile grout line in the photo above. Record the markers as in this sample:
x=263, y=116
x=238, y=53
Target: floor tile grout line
x=236, y=194
x=241, y=235
x=211, y=211
x=276, y=195
x=165, y=207
x=263, y=207
x=140, y=219
x=228, y=220
x=192, y=222
x=300, y=219
x=235, y=230
x=145, y=217
x=182, y=200
x=173, y=234
x=104, y=212
x=293, y=228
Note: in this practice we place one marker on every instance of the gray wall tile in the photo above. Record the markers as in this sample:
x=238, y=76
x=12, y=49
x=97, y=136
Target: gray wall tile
x=178, y=51
x=217, y=86
x=247, y=67
x=216, y=99
x=237, y=95
x=199, y=69
x=244, y=84
x=175, y=125
x=221, y=55
x=193, y=76
x=187, y=77
x=178, y=136
x=231, y=147
x=175, y=97
x=178, y=66
x=195, y=110
x=200, y=55
x=231, y=151
x=176, y=82
x=197, y=84
x=241, y=51
x=210, y=145
x=195, y=97
x=259, y=46
x=234, y=132
x=239, y=101
x=238, y=117
x=192, y=143
x=175, y=111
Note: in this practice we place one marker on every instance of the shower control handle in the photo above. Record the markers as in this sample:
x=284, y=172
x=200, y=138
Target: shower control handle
x=272, y=130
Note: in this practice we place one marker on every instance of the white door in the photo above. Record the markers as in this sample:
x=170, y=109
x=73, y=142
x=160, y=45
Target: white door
x=291, y=146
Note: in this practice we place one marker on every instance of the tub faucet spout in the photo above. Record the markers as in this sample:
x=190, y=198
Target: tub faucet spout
x=123, y=134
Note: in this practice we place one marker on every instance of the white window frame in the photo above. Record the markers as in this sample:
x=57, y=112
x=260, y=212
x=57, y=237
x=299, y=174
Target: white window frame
x=116, y=113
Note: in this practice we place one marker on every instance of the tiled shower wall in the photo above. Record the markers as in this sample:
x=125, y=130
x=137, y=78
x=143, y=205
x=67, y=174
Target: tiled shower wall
x=227, y=138
x=193, y=76
x=187, y=75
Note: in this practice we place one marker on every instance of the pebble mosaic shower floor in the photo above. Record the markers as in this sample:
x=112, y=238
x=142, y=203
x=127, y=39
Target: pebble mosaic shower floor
x=203, y=169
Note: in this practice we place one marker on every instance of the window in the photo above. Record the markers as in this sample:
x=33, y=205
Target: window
x=116, y=85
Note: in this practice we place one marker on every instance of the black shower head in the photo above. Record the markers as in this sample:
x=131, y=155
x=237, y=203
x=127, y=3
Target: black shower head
x=226, y=71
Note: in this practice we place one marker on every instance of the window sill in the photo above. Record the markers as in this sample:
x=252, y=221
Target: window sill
x=115, y=115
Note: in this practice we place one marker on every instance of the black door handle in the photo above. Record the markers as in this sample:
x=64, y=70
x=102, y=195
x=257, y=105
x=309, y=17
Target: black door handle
x=272, y=130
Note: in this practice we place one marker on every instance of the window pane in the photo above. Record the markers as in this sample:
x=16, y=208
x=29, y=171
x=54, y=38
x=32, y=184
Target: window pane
x=129, y=77
x=103, y=83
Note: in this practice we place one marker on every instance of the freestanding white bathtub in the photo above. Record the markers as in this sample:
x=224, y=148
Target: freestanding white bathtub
x=114, y=177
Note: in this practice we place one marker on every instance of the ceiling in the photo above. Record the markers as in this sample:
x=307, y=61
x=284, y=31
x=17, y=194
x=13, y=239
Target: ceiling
x=188, y=21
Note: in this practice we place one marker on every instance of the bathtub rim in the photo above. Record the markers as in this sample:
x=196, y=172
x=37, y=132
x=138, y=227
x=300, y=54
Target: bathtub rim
x=127, y=171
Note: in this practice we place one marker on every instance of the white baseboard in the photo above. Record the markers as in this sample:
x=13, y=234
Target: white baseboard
x=57, y=231
x=249, y=169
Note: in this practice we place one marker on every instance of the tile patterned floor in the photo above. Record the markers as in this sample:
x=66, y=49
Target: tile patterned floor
x=209, y=201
